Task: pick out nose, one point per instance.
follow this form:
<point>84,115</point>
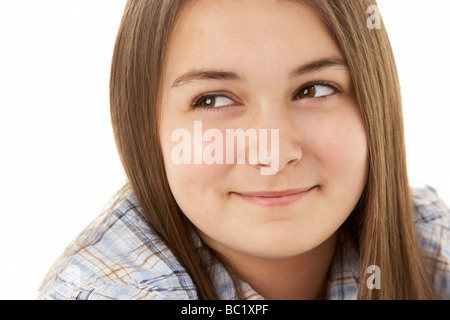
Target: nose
<point>279,143</point>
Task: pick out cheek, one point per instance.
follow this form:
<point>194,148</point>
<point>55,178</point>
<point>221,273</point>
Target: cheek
<point>193,178</point>
<point>195,188</point>
<point>203,152</point>
<point>192,184</point>
<point>339,144</point>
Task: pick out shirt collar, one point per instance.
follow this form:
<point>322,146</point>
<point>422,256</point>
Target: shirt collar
<point>343,280</point>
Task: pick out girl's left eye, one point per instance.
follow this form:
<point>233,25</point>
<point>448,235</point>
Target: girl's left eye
<point>314,91</point>
<point>212,101</point>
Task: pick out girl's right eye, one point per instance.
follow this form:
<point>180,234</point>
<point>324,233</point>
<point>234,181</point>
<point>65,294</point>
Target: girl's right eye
<point>212,102</point>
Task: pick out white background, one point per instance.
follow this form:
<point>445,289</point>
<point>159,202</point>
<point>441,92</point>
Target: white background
<point>58,162</point>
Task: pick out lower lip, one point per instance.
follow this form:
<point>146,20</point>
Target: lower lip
<point>275,201</point>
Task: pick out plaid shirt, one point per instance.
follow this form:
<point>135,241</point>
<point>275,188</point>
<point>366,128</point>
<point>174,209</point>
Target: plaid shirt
<point>126,260</point>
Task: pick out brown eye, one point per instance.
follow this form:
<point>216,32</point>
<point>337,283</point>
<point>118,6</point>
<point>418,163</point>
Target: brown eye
<point>315,91</point>
<point>206,102</point>
<point>307,92</point>
<point>213,101</point>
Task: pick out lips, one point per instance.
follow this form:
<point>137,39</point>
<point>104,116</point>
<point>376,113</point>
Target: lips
<point>274,198</point>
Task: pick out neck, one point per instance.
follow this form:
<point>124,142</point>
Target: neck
<point>302,277</point>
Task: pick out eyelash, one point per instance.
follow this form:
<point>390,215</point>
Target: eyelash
<point>196,102</point>
<point>199,99</point>
<point>329,85</point>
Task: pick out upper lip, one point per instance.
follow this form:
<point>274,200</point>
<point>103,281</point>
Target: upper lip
<point>269,194</point>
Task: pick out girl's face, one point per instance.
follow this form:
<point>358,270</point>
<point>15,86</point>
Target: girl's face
<point>255,65</point>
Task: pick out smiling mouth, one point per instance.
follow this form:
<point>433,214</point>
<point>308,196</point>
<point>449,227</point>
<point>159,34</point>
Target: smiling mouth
<point>274,198</point>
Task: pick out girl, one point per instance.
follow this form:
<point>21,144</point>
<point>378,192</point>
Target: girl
<point>207,214</point>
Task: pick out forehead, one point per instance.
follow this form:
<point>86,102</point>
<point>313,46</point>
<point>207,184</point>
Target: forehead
<point>240,34</point>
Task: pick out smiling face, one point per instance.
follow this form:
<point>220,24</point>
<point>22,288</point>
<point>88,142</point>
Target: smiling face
<point>263,65</point>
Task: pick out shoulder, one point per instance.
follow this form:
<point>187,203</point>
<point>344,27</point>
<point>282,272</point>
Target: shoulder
<point>431,213</point>
<point>432,217</point>
<point>119,257</point>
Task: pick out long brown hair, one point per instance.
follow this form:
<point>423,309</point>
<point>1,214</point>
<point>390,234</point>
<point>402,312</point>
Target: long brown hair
<point>382,223</point>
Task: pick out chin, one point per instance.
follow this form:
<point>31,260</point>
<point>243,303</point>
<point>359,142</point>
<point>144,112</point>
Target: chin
<point>279,250</point>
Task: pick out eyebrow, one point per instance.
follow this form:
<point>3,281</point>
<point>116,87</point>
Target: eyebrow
<point>310,67</point>
<point>318,65</point>
<point>204,75</point>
